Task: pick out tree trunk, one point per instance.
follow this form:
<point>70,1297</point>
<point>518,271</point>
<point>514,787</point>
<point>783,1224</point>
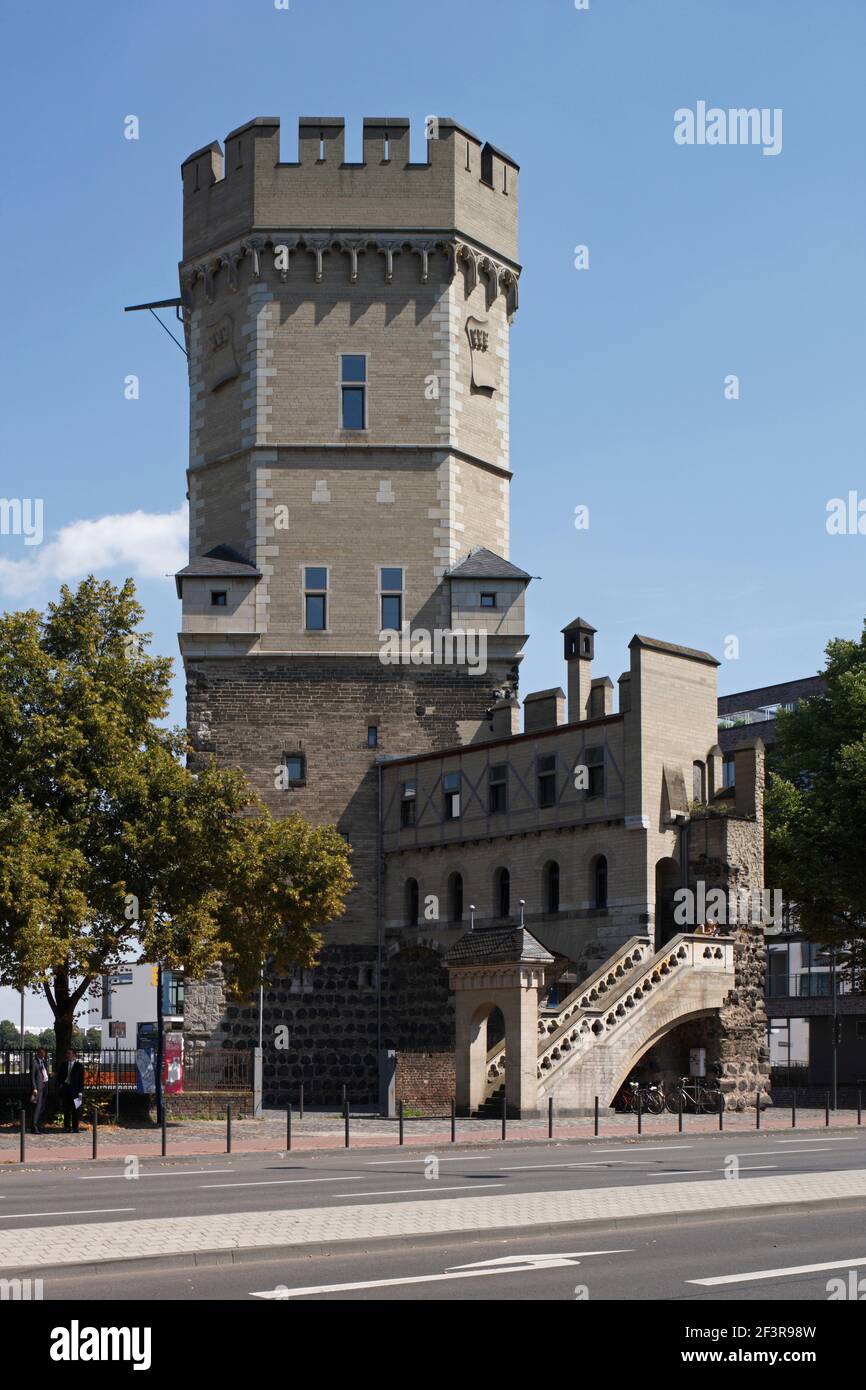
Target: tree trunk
<point>63,1008</point>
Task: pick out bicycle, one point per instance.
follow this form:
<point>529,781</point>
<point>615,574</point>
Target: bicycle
<point>694,1095</point>
<point>652,1098</point>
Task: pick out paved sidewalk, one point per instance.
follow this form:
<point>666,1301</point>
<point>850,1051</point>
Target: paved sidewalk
<point>53,1246</point>
<point>326,1131</point>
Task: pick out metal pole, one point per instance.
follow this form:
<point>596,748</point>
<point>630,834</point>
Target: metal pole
<point>400,1119</point>
<point>827,1109</point>
<point>596,1117</point>
<point>346,1122</point>
<point>453,1121</point>
<point>229,1128</point>
<point>301,1101</point>
<point>117,1080</point>
<point>550,1117</point>
<point>793,1109</point>
<point>757,1110</point>
<point>95,1123</point>
<point>835,1031</point>
<point>164,1133</point>
<point>721,1111</point>
<point>504,1113</point>
<point>261,1004</point>
<point>23,1133</point>
<point>160,1046</point>
<point>859,1107</point>
<point>289,1127</point>
<point>680,1118</point>
<point>639,1113</point>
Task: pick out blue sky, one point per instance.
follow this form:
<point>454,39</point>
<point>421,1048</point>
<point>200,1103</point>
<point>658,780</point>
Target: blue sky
<point>707,516</point>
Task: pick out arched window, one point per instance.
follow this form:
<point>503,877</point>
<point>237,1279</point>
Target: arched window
<point>599,881</point>
<point>412,902</point>
<point>551,887</point>
<point>455,898</point>
<point>502,892</point>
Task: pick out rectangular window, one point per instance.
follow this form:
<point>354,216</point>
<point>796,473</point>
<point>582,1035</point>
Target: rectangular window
<point>353,392</point>
<point>497,789</point>
<point>488,600</point>
<point>391,599</point>
<point>315,598</point>
<point>595,768</point>
<point>451,790</point>
<point>295,765</point>
<point>372,736</point>
<point>218,598</point>
<point>407,804</point>
<point>547,780</point>
<point>728,770</point>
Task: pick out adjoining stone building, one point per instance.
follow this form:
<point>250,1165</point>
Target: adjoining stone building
<point>348,334</point>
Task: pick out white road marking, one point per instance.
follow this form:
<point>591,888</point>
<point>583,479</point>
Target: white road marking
<point>279,1182</point>
<point>162,1173</point>
<point>826,1140</point>
<point>761,1153</point>
<point>431,1188</point>
<point>87,1211</point>
<point>589,1163</point>
<point>777,1273</point>
<point>524,1264</point>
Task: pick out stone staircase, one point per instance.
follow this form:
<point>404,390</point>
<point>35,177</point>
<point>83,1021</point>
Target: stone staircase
<point>588,1044</point>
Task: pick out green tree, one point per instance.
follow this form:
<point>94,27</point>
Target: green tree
<point>110,845</point>
<point>816,804</point>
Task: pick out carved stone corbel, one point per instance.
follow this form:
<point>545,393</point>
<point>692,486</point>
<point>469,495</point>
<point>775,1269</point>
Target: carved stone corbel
<point>423,249</point>
<point>231,260</point>
<point>255,245</point>
<point>318,245</point>
<point>205,271</point>
<point>353,245</point>
<point>388,245</point>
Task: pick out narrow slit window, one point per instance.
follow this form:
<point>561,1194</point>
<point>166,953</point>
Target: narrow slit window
<point>390,599</point>
<point>353,392</point>
<point>316,598</point>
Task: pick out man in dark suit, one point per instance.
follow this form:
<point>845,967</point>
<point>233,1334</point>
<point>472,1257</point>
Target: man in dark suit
<point>70,1079</point>
<point>38,1090</point>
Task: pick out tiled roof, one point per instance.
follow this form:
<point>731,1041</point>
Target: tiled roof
<point>497,945</point>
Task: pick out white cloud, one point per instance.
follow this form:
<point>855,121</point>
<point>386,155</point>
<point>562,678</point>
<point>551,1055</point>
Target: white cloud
<point>142,545</point>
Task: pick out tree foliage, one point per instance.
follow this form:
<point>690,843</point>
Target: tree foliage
<point>816,803</point>
<point>109,844</point>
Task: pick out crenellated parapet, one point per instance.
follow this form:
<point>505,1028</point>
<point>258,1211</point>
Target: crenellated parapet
<point>465,188</point>
<point>319,255</point>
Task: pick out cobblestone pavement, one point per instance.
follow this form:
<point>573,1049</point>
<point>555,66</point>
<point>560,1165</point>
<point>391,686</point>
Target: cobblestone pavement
<point>52,1246</point>
<point>325,1130</point>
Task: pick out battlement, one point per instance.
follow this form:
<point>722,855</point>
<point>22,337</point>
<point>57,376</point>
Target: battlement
<point>465,185</point>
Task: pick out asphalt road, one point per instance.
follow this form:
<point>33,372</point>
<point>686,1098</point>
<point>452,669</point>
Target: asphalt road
<point>258,1182</point>
<point>755,1257</point>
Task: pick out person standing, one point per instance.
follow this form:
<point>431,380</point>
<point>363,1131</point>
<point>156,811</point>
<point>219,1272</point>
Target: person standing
<point>71,1086</point>
<point>38,1090</point>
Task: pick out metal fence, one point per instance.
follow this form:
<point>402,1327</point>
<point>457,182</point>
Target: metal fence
<point>104,1070</point>
<point>218,1069</point>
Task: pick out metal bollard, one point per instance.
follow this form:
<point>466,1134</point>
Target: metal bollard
<point>346,1122</point>
<point>504,1113</point>
<point>793,1109</point>
<point>721,1110</point>
<point>680,1118</point>
<point>23,1143</point>
<point>550,1117</point>
<point>758,1110</point>
<point>400,1121</point>
<point>164,1131</point>
<point>859,1107</point>
<point>596,1117</point>
<point>827,1110</point>
<point>453,1121</point>
<point>639,1114</point>
<point>289,1127</point>
<point>301,1101</point>
<point>94,1119</point>
<point>228,1128</point>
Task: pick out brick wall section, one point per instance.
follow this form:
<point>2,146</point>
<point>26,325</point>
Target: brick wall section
<point>426,1081</point>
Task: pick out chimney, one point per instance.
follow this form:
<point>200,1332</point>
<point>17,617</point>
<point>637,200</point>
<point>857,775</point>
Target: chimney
<point>579,648</point>
<point>503,719</point>
<point>600,697</point>
<point>544,709</point>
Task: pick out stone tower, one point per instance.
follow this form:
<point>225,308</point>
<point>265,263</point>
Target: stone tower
<point>347,327</point>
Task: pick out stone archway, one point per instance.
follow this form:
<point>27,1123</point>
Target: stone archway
<point>498,969</point>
